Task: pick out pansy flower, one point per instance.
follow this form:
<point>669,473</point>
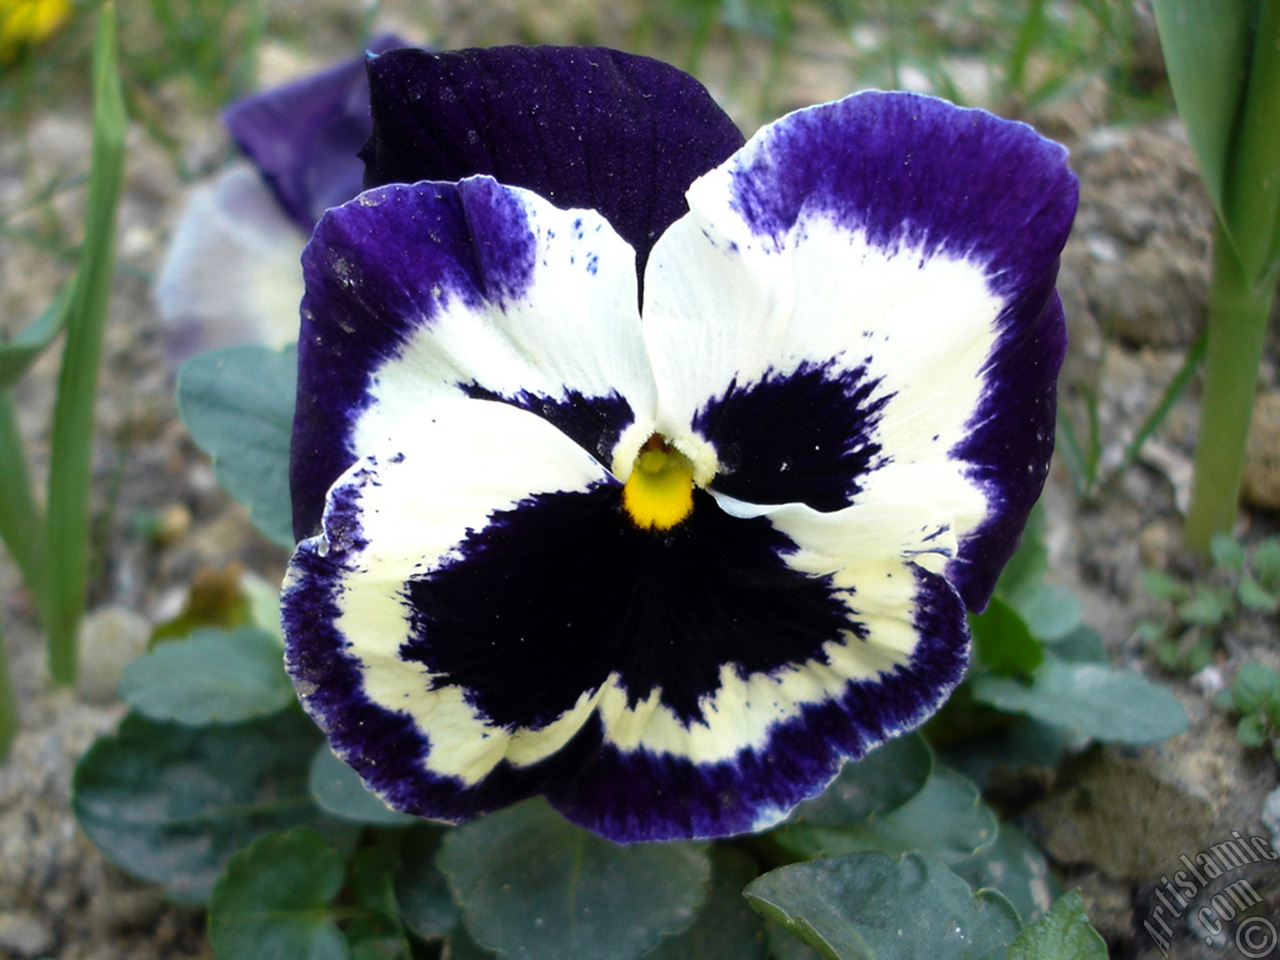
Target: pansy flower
<point>647,470</point>
<point>300,142</point>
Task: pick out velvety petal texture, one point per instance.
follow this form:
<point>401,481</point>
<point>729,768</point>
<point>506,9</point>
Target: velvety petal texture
<point>580,126</point>
<point>669,565</point>
<point>892,256</point>
<point>304,137</point>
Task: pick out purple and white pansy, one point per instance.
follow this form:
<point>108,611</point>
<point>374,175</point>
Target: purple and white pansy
<point>648,470</point>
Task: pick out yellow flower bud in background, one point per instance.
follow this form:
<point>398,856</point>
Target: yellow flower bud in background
<point>24,22</point>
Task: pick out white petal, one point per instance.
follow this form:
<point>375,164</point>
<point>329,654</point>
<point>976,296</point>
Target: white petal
<point>231,273</point>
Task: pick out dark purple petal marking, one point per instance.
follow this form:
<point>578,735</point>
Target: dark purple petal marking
<point>915,172</point>
<point>637,796</point>
<point>551,598</point>
<point>580,126</point>
<point>593,423</point>
<point>305,137</point>
<point>375,269</point>
<point>801,437</point>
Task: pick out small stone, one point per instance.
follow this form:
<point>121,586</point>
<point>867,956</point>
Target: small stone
<point>1271,816</point>
<point>110,637</point>
<point>1261,487</point>
<point>23,934</point>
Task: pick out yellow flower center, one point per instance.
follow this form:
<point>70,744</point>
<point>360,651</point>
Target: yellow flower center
<point>659,493</point>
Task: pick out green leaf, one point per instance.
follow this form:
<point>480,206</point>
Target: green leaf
<point>1002,642</point>
<point>727,928</point>
<point>379,936</point>
<point>1226,552</point>
<point>1206,44</point>
<point>460,946</point>
<point>1026,742</point>
<point>1254,686</point>
<point>1266,564</point>
<point>1064,933</point>
<point>426,905</point>
<point>869,906</point>
<point>339,792</point>
<point>783,946</point>
<point>1253,597</point>
<point>534,886</point>
<point>1163,586</point>
<point>1090,700</point>
<point>1023,574</point>
<point>883,780</point>
<point>238,406</point>
<point>214,676</point>
<point>17,354</point>
<point>947,820</point>
<point>1189,652</point>
<point>1051,612</point>
<point>1252,731</point>
<point>72,442</point>
<point>274,900</point>
<point>172,804</point>
<point>1015,867</point>
<point>376,938</point>
<point>1082,645</point>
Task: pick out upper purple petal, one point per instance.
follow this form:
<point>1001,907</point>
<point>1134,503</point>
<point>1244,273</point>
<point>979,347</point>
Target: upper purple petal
<point>916,172</point>
<point>580,126</point>
<point>305,137</point>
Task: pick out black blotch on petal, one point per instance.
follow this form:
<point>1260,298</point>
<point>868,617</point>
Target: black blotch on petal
<point>800,437</point>
<point>555,595</point>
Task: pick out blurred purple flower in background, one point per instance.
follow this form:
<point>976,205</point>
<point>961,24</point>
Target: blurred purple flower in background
<point>231,275</point>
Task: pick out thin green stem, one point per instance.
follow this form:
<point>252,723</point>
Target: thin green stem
<point>8,705</point>
<point>1238,312</point>
<point>72,444</point>
<point>1176,388</point>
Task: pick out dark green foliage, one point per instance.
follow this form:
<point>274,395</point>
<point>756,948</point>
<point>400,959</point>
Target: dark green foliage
<point>238,406</point>
<point>856,907</point>
<point>1255,697</point>
<point>172,804</point>
<point>532,886</point>
<point>211,677</point>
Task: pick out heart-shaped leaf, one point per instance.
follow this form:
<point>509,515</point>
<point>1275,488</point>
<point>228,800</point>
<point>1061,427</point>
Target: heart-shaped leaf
<point>535,887</point>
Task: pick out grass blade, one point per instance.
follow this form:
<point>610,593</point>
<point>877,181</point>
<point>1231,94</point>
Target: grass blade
<point>21,526</point>
<point>70,458</point>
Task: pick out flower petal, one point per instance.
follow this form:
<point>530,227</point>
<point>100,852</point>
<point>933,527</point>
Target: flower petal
<point>581,126</point>
<point>767,740</point>
<point>465,640</point>
<point>231,227</point>
<point>356,625</point>
<point>470,289</point>
<point>859,308</point>
<point>305,136</point>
